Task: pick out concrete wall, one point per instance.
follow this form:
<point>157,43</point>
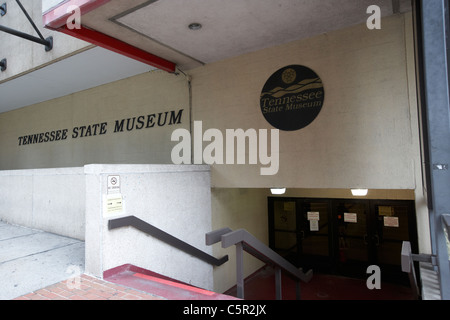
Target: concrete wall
<point>70,202</point>
<point>176,199</point>
<point>238,209</point>
<point>366,134</point>
<point>149,94</point>
<point>52,200</point>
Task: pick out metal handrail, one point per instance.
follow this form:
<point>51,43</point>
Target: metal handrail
<point>165,237</point>
<point>244,241</point>
<point>407,263</point>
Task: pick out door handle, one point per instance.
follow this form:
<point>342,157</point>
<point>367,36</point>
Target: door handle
<point>365,239</point>
<point>377,240</point>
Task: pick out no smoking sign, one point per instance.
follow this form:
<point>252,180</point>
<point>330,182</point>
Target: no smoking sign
<point>113,184</point>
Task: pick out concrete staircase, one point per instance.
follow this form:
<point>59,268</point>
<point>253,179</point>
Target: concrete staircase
<point>156,284</point>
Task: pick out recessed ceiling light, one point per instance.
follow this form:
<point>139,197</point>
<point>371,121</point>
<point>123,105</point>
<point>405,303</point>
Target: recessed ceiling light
<point>278,190</point>
<point>195,26</point>
<point>360,192</point>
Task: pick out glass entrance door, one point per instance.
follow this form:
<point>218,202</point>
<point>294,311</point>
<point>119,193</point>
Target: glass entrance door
<point>354,237</point>
<point>343,236</point>
<point>372,233</point>
<point>315,234</point>
<point>299,231</point>
<point>393,225</point>
<point>285,234</point>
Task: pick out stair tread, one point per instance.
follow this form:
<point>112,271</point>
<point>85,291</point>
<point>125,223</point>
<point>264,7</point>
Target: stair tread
<point>163,287</point>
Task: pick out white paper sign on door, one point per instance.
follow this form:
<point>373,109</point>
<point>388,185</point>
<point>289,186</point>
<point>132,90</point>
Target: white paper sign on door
<point>351,217</point>
<point>314,225</point>
<point>391,222</point>
<point>313,216</point>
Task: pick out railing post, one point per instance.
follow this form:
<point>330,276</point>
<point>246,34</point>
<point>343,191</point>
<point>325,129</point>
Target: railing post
<point>240,270</point>
<point>245,241</point>
<point>297,289</point>
<point>278,293</point>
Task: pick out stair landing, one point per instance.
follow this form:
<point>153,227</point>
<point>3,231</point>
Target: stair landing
<point>147,281</point>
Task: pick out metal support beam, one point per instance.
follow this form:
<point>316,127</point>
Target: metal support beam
<point>29,19</point>
<point>48,43</point>
<point>297,290</point>
<point>435,26</point>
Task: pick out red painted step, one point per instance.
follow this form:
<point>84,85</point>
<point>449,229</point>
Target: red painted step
<point>156,284</point>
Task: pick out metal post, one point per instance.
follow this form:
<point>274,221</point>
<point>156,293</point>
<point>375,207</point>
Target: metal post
<point>297,289</point>
<point>436,82</point>
<point>48,43</point>
<point>30,20</point>
<point>240,270</point>
<point>278,283</point>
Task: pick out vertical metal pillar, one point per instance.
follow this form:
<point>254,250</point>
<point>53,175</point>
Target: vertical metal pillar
<point>240,270</point>
<point>436,82</point>
<point>278,293</point>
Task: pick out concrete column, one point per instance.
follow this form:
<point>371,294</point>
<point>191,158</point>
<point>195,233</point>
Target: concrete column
<point>436,79</point>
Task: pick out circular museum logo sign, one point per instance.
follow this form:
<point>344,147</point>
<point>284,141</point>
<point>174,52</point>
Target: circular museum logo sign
<point>292,98</point>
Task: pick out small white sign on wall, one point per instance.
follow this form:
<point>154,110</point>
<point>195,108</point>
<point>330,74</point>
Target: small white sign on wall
<point>113,184</point>
<point>113,204</point>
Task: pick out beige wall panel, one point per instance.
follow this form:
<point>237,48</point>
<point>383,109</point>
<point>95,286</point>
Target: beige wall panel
<point>238,209</point>
<point>363,136</point>
<point>150,93</point>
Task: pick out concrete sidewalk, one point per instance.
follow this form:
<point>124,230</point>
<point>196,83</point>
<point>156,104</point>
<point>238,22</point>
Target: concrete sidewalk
<point>32,259</point>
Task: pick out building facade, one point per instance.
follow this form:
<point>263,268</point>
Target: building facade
<point>362,131</point>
